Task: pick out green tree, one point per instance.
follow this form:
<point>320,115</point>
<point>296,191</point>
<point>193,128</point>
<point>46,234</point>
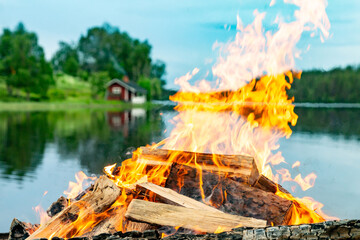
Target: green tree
<point>98,81</point>
<point>66,59</point>
<point>105,48</point>
<point>22,62</point>
<point>153,87</point>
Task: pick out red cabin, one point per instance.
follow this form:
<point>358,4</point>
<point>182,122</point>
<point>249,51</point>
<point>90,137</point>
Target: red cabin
<point>125,90</point>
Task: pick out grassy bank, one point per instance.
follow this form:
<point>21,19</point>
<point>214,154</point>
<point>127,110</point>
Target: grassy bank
<point>71,105</point>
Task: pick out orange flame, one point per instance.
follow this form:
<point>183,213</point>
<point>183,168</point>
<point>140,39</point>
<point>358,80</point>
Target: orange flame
<point>82,180</point>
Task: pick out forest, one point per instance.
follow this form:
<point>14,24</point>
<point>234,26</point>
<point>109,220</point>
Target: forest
<point>81,68</point>
<point>78,71</point>
<point>338,85</point>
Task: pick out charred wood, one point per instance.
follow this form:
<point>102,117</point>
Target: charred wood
<point>21,230</point>
<point>228,195</point>
<point>57,206</point>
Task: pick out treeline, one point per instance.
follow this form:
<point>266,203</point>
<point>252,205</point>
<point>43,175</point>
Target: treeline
<point>102,54</point>
<point>339,85</point>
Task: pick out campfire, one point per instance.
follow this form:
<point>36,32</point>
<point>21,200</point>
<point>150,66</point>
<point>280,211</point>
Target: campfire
<point>214,173</point>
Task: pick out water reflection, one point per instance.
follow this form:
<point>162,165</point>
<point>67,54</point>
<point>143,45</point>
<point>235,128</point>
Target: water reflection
<point>95,138</point>
<point>334,121</point>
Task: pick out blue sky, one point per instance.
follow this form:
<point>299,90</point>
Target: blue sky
<point>181,32</point>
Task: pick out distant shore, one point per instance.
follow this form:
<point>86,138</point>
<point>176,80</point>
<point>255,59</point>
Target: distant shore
<point>67,105</point>
<point>119,106</point>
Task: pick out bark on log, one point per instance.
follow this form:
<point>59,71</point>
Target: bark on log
<point>169,196</point>
<point>241,167</point>
<point>195,219</point>
<point>228,195</point>
<point>343,229</point>
<point>103,196</point>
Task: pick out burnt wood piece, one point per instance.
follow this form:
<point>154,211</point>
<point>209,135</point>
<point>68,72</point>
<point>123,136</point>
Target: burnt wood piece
<point>104,194</point>
<point>62,202</point>
<point>169,196</point>
<point>196,219</point>
<point>228,195</point>
<point>240,167</point>
<point>266,184</point>
<point>82,194</point>
<point>21,230</point>
<point>57,206</point>
<point>4,236</point>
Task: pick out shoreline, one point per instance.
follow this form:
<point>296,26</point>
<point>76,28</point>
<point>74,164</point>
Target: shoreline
<point>119,106</point>
<point>68,106</point>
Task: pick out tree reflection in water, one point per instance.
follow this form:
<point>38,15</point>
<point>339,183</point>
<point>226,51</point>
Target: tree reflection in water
<point>95,138</point>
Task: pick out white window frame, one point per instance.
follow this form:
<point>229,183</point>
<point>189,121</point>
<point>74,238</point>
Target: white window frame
<point>116,90</point>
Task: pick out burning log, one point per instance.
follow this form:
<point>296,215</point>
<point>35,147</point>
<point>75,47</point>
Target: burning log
<point>242,168</point>
<point>104,194</point>
<point>169,196</point>
<point>228,195</point>
<point>266,184</point>
<point>195,219</point>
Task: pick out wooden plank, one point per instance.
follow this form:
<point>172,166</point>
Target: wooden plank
<point>241,167</point>
<point>195,219</point>
<point>171,197</point>
<point>103,195</point>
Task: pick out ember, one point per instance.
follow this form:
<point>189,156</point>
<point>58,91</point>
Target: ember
<point>216,173</point>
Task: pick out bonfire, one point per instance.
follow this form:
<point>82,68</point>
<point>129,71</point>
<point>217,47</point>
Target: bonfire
<point>214,173</point>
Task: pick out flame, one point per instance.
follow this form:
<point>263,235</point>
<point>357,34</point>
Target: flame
<point>82,181</point>
<point>305,210</point>
<point>41,213</point>
<point>244,110</point>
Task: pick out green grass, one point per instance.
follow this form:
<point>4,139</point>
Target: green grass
<point>70,105</point>
<point>76,95</point>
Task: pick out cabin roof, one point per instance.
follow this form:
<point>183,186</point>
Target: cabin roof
<point>131,86</point>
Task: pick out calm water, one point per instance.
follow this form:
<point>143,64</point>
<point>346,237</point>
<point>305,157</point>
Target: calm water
<point>41,151</point>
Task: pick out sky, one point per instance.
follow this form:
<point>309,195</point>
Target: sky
<point>181,33</point>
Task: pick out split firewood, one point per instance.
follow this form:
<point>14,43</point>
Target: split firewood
<point>242,168</point>
<point>169,196</point>
<point>21,230</point>
<point>104,194</point>
<point>195,219</point>
<point>138,226</point>
<point>228,195</point>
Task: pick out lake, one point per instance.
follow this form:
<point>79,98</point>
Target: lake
<point>42,151</point>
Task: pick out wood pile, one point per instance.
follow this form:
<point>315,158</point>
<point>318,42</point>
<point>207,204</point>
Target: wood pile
<point>203,193</point>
